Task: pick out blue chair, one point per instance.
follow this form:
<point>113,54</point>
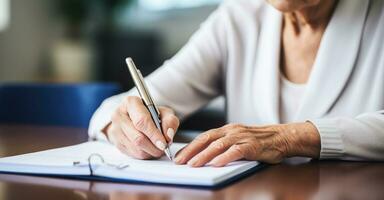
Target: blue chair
<point>52,104</point>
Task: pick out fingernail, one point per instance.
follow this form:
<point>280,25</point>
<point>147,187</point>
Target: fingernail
<point>160,145</point>
<point>192,162</point>
<point>178,159</point>
<point>171,134</point>
<point>212,162</point>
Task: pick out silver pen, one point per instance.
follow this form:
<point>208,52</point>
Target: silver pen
<point>147,99</point>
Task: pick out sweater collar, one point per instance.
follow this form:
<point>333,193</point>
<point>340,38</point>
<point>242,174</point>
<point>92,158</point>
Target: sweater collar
<point>335,59</point>
<point>332,68</point>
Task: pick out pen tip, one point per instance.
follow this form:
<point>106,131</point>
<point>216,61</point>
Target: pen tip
<point>168,153</point>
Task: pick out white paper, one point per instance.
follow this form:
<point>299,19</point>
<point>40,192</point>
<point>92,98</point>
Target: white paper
<point>60,161</point>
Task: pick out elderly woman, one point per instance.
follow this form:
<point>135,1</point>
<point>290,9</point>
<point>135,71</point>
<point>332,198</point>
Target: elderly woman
<point>300,78</point>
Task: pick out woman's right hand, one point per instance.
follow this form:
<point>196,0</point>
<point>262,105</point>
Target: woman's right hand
<point>134,133</point>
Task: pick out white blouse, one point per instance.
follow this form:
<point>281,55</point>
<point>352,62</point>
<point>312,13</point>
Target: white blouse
<point>291,96</point>
<point>236,53</point>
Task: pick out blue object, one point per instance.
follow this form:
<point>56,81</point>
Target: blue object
<point>52,104</point>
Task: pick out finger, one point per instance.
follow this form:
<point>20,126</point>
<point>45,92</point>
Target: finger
<point>214,149</point>
<point>197,145</point>
<point>170,123</point>
<point>143,122</point>
<point>234,153</point>
<point>137,153</point>
<point>124,145</point>
<point>130,150</point>
<point>123,132</point>
<point>137,139</point>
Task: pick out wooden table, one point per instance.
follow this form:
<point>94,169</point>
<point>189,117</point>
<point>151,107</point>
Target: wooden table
<point>313,180</point>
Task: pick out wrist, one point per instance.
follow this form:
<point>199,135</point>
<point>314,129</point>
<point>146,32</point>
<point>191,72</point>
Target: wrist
<point>303,139</point>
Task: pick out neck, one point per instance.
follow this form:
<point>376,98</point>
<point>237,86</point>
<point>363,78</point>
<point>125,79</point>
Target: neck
<point>312,17</point>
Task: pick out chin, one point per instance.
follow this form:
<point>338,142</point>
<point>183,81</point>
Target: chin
<point>292,5</point>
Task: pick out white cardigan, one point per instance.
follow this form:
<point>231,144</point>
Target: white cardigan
<point>236,53</point>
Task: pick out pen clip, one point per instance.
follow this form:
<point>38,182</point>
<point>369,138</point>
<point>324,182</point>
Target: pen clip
<point>147,92</point>
<point>139,82</point>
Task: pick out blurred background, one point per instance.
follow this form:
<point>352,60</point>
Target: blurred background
<point>86,41</point>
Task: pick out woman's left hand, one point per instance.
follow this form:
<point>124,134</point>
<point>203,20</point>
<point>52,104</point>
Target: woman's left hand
<point>270,144</point>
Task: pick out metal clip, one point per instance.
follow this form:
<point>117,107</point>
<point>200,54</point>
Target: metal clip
<point>100,157</point>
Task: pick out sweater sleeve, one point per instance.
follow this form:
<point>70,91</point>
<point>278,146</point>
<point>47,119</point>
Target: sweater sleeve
<point>186,82</point>
<point>359,138</point>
